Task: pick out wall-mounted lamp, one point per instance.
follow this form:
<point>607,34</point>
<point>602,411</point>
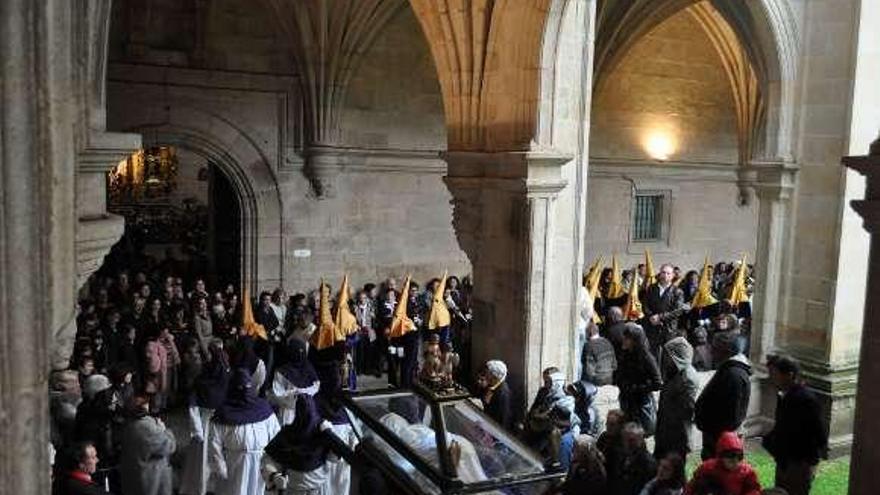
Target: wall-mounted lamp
<point>659,145</point>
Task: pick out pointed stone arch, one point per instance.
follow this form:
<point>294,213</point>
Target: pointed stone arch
<point>250,174</point>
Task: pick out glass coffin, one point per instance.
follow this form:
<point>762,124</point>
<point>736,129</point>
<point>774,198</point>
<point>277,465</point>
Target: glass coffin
<point>428,444</point>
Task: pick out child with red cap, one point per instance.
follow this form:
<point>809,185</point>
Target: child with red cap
<point>727,473</point>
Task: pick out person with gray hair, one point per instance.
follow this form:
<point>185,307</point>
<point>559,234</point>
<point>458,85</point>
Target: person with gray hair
<point>615,324</point>
<point>723,404</point>
<point>494,392</point>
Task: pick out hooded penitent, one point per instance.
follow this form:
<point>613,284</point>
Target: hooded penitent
<point>401,323</point>
<point>242,406</point>
<point>298,446</point>
<point>344,321</point>
<point>248,323</point>
<point>439,316</point>
<point>298,370</point>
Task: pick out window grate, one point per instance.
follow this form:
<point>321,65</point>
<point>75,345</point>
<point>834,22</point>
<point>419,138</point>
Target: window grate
<point>648,217</point>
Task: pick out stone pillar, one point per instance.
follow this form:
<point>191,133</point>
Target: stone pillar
<point>503,217</point>
<point>774,183</point>
<point>37,223</point>
<point>865,457</point>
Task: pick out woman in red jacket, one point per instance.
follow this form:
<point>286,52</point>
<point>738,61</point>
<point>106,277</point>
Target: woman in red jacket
<point>727,473</point>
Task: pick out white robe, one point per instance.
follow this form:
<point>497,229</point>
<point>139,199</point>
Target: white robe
<point>339,469</point>
<point>235,455</point>
<point>259,375</point>
<point>423,440</point>
<point>314,482</point>
<point>283,396</point>
<point>194,479</point>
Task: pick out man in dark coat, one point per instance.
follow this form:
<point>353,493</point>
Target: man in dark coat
<point>615,323</point>
<point>723,404</point>
<point>663,306</point>
<point>598,359</point>
<point>638,377</point>
<point>675,413</point>
<point>799,437</point>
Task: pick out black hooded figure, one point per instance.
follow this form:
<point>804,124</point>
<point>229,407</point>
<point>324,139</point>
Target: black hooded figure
<point>297,377</point>
<point>300,450</point>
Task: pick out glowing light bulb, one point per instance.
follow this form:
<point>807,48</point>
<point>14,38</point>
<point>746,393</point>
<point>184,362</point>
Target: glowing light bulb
<point>659,145</point>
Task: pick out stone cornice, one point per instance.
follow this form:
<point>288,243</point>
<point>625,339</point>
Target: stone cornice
<point>532,165</point>
<point>677,170</point>
<point>199,78</point>
<point>327,159</point>
<point>773,180</point>
<point>537,173</point>
<point>105,149</point>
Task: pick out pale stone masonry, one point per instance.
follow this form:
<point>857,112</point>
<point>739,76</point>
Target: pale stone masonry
<point>451,138</point>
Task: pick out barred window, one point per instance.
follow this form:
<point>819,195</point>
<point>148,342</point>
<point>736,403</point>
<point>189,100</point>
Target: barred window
<point>648,217</point>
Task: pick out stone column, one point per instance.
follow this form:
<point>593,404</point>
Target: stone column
<point>37,223</point>
<point>773,186</point>
<point>865,457</point>
<point>503,217</point>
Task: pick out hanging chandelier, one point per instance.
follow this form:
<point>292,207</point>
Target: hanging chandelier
<point>146,174</point>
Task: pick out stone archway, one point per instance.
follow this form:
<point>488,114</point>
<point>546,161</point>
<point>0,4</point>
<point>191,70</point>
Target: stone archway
<point>510,73</point>
<point>250,173</point>
<point>247,199</point>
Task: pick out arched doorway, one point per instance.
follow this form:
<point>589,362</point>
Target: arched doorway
<point>183,216</point>
<point>224,230</point>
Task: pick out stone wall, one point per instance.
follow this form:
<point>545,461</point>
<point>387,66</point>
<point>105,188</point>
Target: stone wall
<point>703,215</point>
<point>670,82</point>
<point>386,209</point>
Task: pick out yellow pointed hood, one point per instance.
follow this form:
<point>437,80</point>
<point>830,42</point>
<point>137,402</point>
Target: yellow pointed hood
<point>345,322</point>
<point>401,324</point>
<point>327,335</point>
<point>633,309</point>
<point>650,274</point>
<point>248,323</point>
<point>704,297</point>
<point>615,290</point>
<point>738,293</point>
<point>439,317</point>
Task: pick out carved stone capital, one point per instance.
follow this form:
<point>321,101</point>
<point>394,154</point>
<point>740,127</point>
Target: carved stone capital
<point>104,150</point>
<point>771,180</point>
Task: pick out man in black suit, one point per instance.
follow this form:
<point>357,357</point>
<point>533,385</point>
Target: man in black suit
<point>663,307</point>
<point>799,437</point>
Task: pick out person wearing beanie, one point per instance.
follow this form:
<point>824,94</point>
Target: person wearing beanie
<point>723,404</point>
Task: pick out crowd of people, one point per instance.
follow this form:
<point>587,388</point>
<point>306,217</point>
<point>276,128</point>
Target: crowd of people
<point>646,339</point>
<point>260,389</point>
<point>149,347</point>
